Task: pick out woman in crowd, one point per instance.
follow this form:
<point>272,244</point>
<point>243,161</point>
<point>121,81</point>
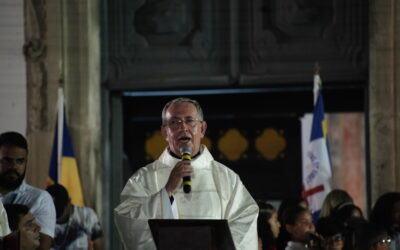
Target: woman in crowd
<point>268,226</point>
<point>347,211</point>
<point>332,230</point>
<point>369,236</point>
<point>332,200</point>
<point>386,212</point>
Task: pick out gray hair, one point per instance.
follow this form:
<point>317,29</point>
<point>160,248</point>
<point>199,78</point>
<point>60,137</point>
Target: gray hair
<point>181,100</point>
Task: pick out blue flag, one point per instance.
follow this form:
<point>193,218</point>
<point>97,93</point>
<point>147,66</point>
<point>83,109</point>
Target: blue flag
<point>316,159</point>
<point>63,167</point>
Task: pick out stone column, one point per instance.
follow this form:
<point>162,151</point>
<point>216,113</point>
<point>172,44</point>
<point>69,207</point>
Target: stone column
<point>81,44</point>
<point>42,53</point>
<point>384,93</point>
<point>63,49</point>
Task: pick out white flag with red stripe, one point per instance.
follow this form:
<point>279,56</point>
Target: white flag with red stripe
<point>315,153</point>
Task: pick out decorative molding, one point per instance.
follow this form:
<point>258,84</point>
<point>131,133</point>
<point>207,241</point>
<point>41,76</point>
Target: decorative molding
<point>285,38</point>
<point>255,42</point>
<point>150,41</point>
<point>35,53</point>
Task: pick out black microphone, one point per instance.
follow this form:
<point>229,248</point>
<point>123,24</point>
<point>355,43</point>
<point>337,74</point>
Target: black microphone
<point>186,155</point>
<point>313,237</point>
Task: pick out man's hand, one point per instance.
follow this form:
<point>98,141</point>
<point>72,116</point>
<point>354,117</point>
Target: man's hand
<point>29,232</point>
<point>180,170</point>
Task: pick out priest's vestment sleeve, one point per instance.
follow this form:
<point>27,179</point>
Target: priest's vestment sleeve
<point>138,205</point>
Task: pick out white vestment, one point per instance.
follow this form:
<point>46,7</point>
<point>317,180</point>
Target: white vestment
<point>217,193</point>
<point>4,229</point>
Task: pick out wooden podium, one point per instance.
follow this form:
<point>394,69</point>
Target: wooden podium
<point>191,234</point>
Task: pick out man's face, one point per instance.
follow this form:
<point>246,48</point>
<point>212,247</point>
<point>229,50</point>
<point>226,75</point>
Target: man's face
<point>12,166</point>
<point>183,128</point>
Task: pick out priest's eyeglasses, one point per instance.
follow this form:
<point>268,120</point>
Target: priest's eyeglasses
<point>175,123</point>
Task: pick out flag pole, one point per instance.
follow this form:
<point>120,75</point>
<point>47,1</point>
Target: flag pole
<point>316,68</point>
<point>317,81</point>
<point>60,118</point>
<point>60,122</point>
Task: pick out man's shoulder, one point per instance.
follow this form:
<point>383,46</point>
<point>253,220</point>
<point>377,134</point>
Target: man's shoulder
<point>34,191</point>
<point>35,198</point>
<point>82,212</point>
<point>31,196</point>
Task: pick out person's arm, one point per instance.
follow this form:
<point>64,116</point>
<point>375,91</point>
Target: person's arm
<point>45,242</point>
<point>94,229</point>
<point>29,232</point>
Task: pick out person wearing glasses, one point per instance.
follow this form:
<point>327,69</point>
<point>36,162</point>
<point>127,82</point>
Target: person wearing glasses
<point>332,231</point>
<point>370,236</point>
<point>386,212</point>
<point>14,189</point>
<point>155,191</point>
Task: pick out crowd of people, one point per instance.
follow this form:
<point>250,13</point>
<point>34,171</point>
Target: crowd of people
<point>32,218</point>
<point>341,224</point>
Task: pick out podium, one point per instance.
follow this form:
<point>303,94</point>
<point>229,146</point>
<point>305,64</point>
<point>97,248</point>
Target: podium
<point>191,234</point>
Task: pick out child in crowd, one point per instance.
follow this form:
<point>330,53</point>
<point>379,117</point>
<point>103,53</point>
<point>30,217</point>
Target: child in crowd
<point>298,230</point>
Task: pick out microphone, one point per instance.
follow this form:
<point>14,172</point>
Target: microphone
<point>313,237</point>
<point>186,155</point>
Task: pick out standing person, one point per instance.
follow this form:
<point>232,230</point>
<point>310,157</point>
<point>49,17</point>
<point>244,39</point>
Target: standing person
<point>369,236</point>
<point>333,232</point>
<point>77,227</point>
<point>268,226</point>
<point>347,212</point>
<point>155,191</point>
<point>335,198</point>
<point>290,201</point>
<point>14,190</point>
<point>297,227</point>
<point>386,212</point>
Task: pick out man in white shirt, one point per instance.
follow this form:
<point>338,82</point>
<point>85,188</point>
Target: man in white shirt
<point>155,191</point>
<point>13,189</point>
<point>77,227</point>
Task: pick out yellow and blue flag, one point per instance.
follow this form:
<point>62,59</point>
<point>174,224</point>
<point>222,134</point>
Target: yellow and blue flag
<point>63,165</point>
